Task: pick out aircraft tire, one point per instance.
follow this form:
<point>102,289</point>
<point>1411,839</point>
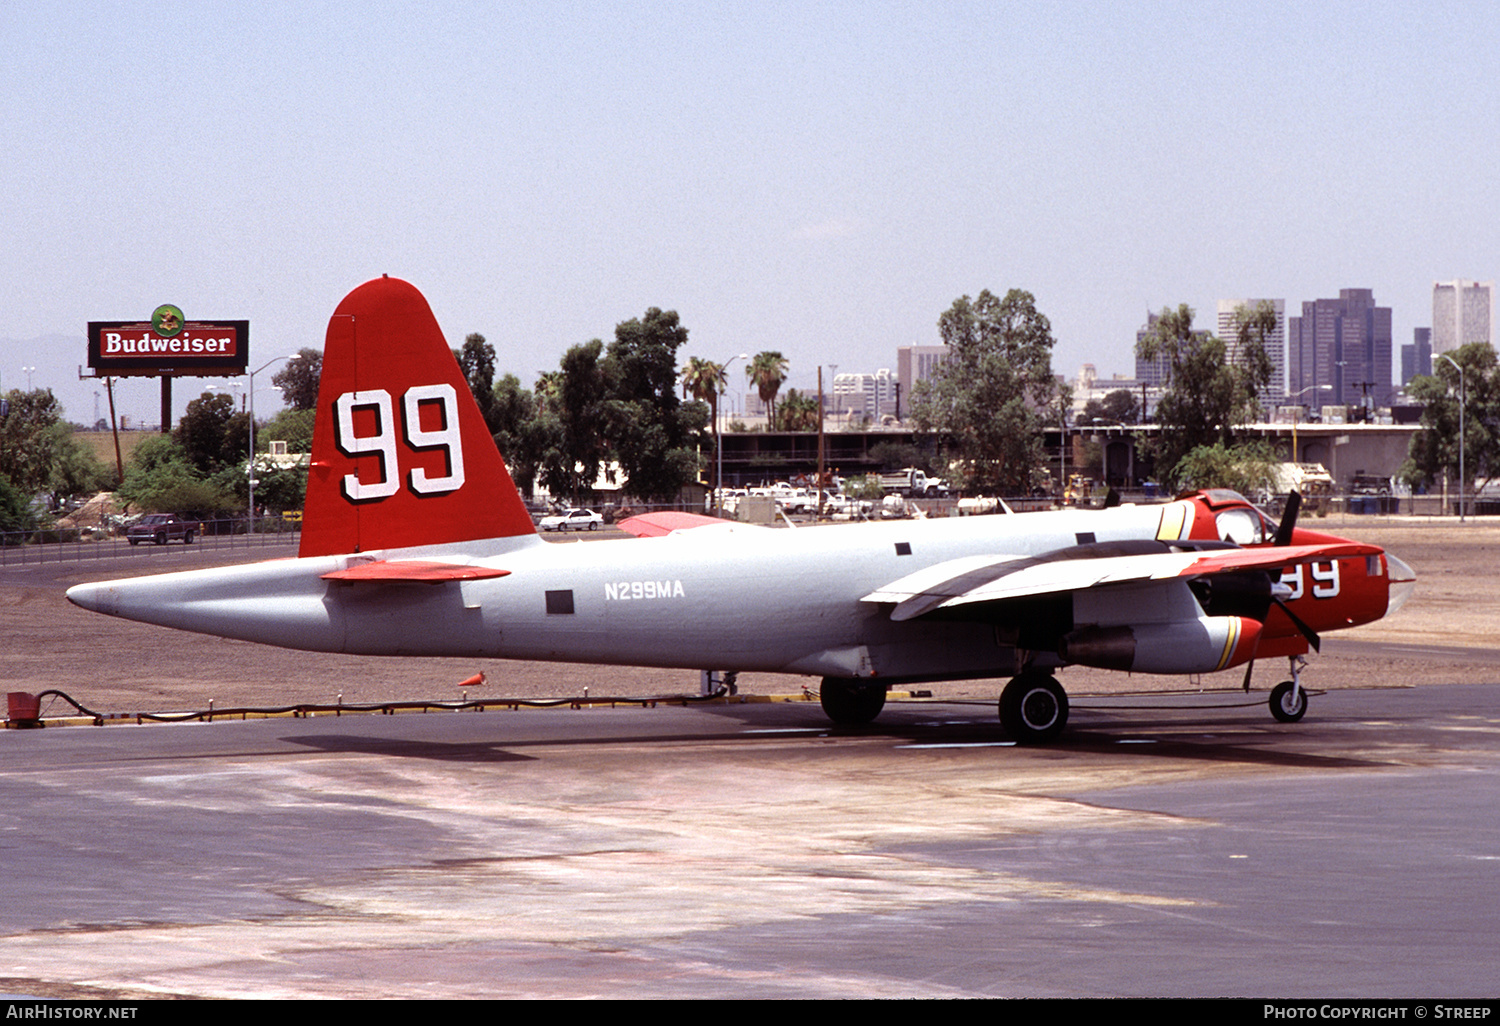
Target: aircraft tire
<point>1033,708</point>
<point>1281,703</point>
<point>851,703</point>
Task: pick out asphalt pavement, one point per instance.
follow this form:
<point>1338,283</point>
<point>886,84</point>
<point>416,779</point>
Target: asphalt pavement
<point>1162,848</point>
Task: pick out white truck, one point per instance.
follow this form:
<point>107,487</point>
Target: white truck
<point>1311,479</point>
<point>912,483</point>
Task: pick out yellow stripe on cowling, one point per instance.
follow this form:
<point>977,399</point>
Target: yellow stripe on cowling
<point>1174,522</point>
<point>1229,642</point>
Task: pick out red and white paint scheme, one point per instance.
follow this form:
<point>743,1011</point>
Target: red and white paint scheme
<point>415,542</point>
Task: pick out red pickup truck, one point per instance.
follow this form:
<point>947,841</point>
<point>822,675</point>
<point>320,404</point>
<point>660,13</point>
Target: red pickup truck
<point>162,528</point>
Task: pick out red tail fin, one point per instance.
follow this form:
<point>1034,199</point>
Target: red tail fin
<point>401,455</point>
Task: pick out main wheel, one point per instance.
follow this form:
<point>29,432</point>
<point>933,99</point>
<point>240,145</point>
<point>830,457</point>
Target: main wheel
<point>1283,707</point>
<point>1033,708</point>
<point>850,703</point>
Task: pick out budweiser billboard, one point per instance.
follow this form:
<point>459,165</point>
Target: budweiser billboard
<point>168,344</point>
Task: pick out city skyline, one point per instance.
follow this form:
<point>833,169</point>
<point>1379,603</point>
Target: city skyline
<point>824,180</point>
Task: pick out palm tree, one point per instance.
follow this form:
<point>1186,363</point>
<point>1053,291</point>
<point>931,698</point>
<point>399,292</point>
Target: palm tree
<point>766,372</point>
<point>704,380</point>
<point>798,412</point>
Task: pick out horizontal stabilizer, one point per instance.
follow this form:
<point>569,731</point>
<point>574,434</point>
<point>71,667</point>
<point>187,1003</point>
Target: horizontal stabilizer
<point>424,571</point>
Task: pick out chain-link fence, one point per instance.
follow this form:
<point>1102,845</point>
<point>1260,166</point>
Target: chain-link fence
<point>60,545</point>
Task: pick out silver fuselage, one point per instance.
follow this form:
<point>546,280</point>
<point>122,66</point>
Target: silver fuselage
<point>732,598</point>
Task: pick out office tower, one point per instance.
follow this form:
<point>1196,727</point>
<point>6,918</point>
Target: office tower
<point>1416,357</point>
<point>1275,342</point>
<point>1462,312</point>
<point>1339,352</point>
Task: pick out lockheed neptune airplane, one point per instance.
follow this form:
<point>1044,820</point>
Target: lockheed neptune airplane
<point>416,542</point>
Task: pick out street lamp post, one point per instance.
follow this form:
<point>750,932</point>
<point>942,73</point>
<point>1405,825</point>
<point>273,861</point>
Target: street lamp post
<point>294,356</point>
<point>1463,422</point>
<point>719,441</point>
<point>1298,417</point>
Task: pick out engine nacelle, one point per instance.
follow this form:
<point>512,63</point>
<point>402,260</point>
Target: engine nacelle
<point>1186,646</point>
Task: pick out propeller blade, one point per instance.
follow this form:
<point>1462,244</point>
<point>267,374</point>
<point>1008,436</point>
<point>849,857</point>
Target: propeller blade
<point>1289,519</point>
<point>1307,632</point>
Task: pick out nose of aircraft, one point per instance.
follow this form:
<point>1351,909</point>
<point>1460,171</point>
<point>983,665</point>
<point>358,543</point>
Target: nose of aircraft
<point>96,597</point>
<point>1402,581</point>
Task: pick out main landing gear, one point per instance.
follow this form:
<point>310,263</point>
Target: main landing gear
<point>851,703</point>
<point>1033,707</point>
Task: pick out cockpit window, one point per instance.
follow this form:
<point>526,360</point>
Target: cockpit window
<point>1241,526</point>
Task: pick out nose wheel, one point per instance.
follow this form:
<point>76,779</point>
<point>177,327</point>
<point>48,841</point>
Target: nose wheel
<point>1288,699</point>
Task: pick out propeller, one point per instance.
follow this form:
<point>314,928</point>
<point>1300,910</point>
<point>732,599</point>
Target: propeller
<point>1306,631</point>
<point>1284,532</point>
<point>1289,519</point>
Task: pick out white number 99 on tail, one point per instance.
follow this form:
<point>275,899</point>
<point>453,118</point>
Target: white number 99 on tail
<point>441,399</point>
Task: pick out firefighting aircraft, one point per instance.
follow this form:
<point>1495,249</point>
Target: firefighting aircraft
<point>415,542</point>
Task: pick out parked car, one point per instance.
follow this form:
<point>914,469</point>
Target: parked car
<point>572,520</point>
<point>161,528</point>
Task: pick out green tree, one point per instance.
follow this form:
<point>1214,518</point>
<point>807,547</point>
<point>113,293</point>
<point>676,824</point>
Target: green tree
<point>298,380</point>
<point>797,412</point>
<point>477,361</point>
<point>705,380</point>
<point>212,435</point>
<point>574,427</point>
<point>160,478</point>
<point>1207,394</point>
<point>517,431</point>
<point>75,469</point>
<point>1434,452</point>
<point>17,517</point>
<point>650,429</point>
<point>995,393</point>
<point>28,443</point>
<point>767,372</point>
<point>1247,468</point>
<point>1117,407</point>
<point>292,426</point>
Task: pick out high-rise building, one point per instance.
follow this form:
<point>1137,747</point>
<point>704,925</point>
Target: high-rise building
<point>1339,352</point>
<point>1275,342</point>
<point>1416,357</point>
<point>1462,312</point>
<point>1155,372</point>
<point>914,364</point>
<point>867,395</point>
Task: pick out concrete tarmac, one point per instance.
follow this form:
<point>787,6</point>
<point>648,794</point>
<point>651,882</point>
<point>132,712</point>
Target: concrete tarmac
<point>1164,847</point>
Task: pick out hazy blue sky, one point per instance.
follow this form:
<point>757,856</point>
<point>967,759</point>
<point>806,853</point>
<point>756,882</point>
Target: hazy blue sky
<point>823,179</point>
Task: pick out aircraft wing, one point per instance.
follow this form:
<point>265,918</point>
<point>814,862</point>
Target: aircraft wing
<point>654,525</point>
<point>978,579</point>
<point>418,570</point>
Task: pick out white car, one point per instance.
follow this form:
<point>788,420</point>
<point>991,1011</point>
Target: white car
<point>572,520</point>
